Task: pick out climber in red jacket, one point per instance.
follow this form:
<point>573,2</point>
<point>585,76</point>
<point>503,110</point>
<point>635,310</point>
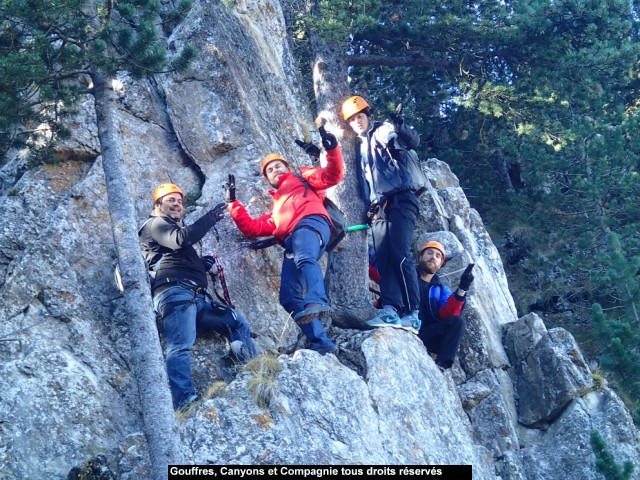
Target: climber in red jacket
<point>300,220</point>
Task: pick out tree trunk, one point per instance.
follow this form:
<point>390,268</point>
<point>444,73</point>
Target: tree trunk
<point>347,275</point>
<point>503,171</point>
<point>157,410</point>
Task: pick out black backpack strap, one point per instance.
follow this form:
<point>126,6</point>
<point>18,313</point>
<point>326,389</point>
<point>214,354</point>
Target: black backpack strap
<point>307,185</point>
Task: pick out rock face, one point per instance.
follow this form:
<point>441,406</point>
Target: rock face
<point>323,413</point>
<point>548,370</point>
<point>519,404</point>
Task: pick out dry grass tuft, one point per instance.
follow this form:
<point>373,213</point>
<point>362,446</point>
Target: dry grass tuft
<point>216,390</point>
<point>261,386</point>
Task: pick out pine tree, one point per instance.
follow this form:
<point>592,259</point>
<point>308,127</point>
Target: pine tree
<point>617,332</point>
<point>605,463</point>
<point>563,116</point>
<point>534,106</point>
<point>54,51</point>
<point>347,277</point>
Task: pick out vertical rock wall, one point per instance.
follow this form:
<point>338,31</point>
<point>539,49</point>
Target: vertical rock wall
<point>518,404</point>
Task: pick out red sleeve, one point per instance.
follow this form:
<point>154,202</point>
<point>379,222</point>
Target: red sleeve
<point>452,308</point>
<point>326,177</point>
<point>251,227</point>
<point>374,275</point>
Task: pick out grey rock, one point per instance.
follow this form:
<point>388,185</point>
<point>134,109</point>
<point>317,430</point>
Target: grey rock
<point>509,467</point>
<point>548,376</point>
<point>69,399</point>
<point>322,413</point>
<point>522,336</point>
<point>489,412</point>
<point>563,451</point>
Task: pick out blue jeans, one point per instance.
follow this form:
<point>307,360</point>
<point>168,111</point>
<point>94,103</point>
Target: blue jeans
<point>302,281</point>
<point>185,313</point>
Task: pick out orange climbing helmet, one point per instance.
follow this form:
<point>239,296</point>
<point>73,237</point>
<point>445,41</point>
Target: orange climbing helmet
<point>165,189</point>
<point>272,157</point>
<point>354,105</point>
<point>437,246</point>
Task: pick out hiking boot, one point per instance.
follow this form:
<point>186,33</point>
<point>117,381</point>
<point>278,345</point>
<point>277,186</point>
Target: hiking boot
<point>387,317</point>
<point>411,322</point>
<point>187,402</point>
<point>441,368</point>
<point>329,349</point>
<point>443,365</point>
<point>313,310</point>
<point>239,351</point>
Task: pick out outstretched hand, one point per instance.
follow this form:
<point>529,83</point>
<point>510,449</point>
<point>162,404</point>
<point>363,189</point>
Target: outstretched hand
<point>218,211</point>
<point>310,149</point>
<point>230,189</point>
<point>396,117</point>
<point>329,140</point>
<point>209,262</point>
<point>466,278</point>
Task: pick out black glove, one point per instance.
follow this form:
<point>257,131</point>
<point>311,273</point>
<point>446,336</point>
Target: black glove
<point>218,211</point>
<point>396,117</point>
<point>329,140</point>
<point>310,149</point>
<point>265,243</point>
<point>209,262</point>
<point>230,189</point>
<point>466,278</point>
<point>372,211</point>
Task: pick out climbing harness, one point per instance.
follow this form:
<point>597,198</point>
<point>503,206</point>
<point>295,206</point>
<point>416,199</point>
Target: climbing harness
<point>223,283</point>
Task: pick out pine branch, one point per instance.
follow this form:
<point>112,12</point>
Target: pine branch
<point>65,75</point>
<point>383,60</point>
<point>633,305</point>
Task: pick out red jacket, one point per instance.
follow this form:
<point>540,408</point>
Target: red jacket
<point>290,202</point>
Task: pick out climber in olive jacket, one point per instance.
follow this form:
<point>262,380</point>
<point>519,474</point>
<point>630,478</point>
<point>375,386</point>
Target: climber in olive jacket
<point>179,286</point>
<point>169,254</point>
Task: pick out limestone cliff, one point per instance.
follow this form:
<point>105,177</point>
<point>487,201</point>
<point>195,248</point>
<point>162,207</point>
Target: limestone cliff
<point>519,404</point>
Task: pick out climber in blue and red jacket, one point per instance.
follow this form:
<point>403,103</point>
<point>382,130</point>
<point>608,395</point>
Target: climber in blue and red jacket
<point>442,325</point>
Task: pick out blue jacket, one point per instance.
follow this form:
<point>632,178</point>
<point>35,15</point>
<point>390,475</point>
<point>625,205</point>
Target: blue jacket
<point>382,165</point>
<point>438,302</point>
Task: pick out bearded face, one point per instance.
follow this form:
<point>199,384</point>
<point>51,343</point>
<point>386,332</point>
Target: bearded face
<point>430,261</point>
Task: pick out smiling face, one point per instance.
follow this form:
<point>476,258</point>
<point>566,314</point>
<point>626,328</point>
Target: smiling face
<point>430,261</point>
<point>359,122</point>
<point>274,170</point>
<point>171,206</point>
